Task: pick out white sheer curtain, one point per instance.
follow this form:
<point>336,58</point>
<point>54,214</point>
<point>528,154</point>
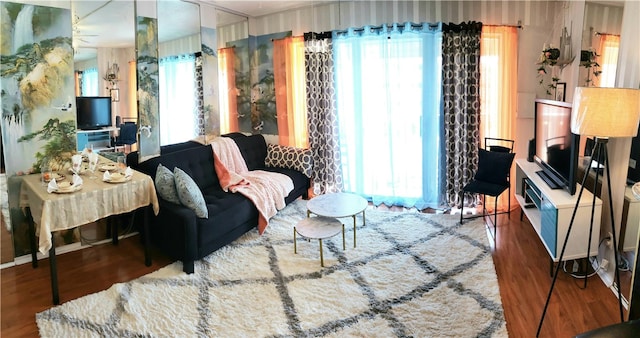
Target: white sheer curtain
<point>178,115</point>
<point>388,95</point>
<point>89,83</point>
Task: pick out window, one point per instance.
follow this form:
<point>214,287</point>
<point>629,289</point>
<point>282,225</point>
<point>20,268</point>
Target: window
<point>177,92</point>
<point>89,82</point>
<point>388,103</point>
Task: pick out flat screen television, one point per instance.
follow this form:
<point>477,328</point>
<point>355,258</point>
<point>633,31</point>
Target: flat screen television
<point>93,112</point>
<point>556,148</point>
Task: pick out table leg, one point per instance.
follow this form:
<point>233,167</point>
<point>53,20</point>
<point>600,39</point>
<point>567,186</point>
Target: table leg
<point>32,239</point>
<point>54,272</point>
<point>321,256</point>
<point>344,246</point>
<point>364,222</point>
<point>147,240</point>
<point>114,228</point>
<point>295,247</point>
<point>354,230</point>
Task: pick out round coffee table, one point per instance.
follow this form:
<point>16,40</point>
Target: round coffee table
<point>318,228</point>
<point>339,205</point>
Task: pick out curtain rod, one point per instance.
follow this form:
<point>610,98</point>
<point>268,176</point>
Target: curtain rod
<point>601,33</point>
<point>415,25</point>
<point>517,25</point>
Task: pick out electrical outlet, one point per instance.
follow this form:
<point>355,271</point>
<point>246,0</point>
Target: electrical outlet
<point>609,241</point>
<point>605,264</point>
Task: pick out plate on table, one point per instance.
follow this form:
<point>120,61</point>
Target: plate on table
<point>67,188</point>
<point>118,178</point>
<point>108,166</point>
<point>55,176</point>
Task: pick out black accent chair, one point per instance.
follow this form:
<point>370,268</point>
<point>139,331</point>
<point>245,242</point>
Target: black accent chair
<point>506,146</point>
<point>491,178</point>
<point>128,135</point>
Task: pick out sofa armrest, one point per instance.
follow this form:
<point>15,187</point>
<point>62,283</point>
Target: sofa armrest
<point>177,223</point>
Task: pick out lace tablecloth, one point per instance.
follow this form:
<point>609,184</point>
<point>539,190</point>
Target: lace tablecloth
<point>96,200</point>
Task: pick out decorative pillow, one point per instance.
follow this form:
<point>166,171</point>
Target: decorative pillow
<point>289,158</point>
<point>165,184</point>
<point>189,193</point>
<point>493,166</point>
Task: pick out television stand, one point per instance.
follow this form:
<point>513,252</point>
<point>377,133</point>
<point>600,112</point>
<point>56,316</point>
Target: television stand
<point>99,138</point>
<point>549,211</point>
<point>548,180</point>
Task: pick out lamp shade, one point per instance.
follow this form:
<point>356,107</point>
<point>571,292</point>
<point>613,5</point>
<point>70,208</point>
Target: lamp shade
<point>605,112</point>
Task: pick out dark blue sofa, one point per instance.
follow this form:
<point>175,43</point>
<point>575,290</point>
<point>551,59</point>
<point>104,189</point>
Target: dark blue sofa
<point>176,230</point>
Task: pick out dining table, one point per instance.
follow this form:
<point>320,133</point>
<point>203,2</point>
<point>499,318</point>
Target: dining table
<point>70,206</point>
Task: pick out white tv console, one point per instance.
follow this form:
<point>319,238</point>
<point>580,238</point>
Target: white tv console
<point>550,210</point>
<point>100,138</point>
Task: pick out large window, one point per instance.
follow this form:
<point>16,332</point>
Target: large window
<point>177,91</point>
<point>388,98</point>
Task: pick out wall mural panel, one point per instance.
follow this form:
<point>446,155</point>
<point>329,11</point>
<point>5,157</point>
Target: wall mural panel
<point>38,111</point>
<point>209,39</point>
<point>254,78</point>
<point>148,100</point>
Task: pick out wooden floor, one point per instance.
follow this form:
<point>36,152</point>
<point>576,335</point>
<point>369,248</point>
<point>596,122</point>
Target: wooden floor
<point>521,262</point>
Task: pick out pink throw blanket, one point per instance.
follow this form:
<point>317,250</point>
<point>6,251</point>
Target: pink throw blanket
<point>265,189</point>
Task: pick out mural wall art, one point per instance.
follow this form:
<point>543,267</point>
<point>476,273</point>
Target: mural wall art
<point>254,79</point>
<point>148,87</point>
<point>38,101</point>
<point>210,81</point>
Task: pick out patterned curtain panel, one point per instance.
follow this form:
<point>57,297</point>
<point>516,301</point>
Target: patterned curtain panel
<point>321,110</point>
<point>461,101</point>
<point>200,121</point>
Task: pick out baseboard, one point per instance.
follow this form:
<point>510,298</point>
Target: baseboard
<point>25,259</point>
<point>608,281</point>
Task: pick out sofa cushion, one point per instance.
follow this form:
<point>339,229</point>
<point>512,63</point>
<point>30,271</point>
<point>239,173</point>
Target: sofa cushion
<point>166,185</point>
<point>289,158</point>
<point>189,193</point>
<point>253,149</point>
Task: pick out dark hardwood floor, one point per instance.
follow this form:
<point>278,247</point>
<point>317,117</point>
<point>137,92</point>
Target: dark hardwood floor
<point>521,261</point>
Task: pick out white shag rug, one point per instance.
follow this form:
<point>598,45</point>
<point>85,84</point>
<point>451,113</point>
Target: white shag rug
<point>412,274</point>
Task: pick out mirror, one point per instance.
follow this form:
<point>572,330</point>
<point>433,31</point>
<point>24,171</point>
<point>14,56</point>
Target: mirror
<point>234,75</point>
<point>598,60</point>
<point>179,71</point>
<point>178,28</point>
<point>600,42</point>
<point>103,38</point>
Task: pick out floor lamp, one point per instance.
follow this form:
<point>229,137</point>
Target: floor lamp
<point>603,113</point>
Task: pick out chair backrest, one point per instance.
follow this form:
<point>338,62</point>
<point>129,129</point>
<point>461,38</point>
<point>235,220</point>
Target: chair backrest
<point>498,144</point>
<point>128,133</point>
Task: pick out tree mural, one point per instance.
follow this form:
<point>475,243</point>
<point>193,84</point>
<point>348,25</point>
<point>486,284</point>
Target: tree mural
<point>36,87</point>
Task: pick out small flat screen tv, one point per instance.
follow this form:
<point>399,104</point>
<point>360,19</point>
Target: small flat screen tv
<point>93,112</point>
<point>557,149</point>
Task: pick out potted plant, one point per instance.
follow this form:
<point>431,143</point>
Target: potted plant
<point>548,58</point>
<point>588,60</point>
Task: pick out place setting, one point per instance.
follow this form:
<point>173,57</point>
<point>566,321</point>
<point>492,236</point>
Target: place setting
<point>56,184</point>
<point>122,173</point>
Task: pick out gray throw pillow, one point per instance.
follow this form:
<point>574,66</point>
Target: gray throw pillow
<point>189,193</point>
<point>165,185</point>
